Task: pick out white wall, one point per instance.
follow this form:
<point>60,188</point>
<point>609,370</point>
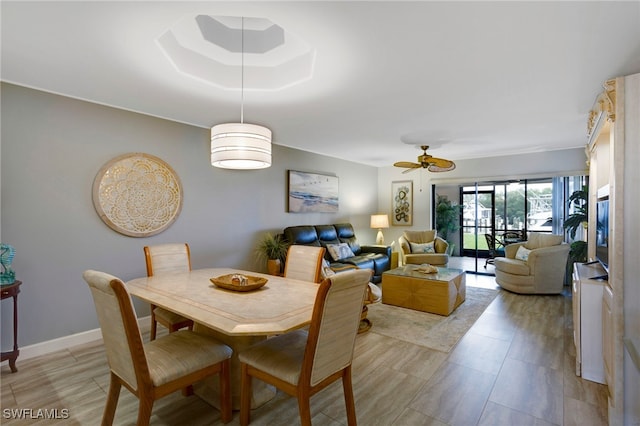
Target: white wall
<point>52,148</point>
<point>569,162</point>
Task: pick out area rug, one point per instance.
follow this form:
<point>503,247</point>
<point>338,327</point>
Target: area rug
<point>430,330</point>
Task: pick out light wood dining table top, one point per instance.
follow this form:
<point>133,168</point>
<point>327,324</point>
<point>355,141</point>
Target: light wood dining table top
<point>280,306</point>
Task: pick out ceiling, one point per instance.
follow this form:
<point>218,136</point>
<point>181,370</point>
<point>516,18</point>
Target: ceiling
<point>369,81</point>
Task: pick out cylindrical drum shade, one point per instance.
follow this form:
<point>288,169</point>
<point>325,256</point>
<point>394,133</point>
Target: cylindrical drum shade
<point>240,146</point>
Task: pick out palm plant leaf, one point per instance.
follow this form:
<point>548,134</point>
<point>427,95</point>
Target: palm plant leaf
<point>580,200</point>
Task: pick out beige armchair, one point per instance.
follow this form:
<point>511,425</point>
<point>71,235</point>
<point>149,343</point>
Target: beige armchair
<point>539,270</point>
<point>415,244</point>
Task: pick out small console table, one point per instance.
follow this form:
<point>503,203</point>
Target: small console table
<point>12,290</point>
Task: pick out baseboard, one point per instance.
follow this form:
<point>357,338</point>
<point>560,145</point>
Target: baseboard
<point>61,343</point>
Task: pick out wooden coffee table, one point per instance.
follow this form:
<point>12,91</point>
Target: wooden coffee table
<point>438,293</point>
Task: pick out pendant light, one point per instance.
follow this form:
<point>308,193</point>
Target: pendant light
<point>241,146</point>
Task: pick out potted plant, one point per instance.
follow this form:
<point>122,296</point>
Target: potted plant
<point>578,219</point>
<point>273,249</point>
<point>447,218</point>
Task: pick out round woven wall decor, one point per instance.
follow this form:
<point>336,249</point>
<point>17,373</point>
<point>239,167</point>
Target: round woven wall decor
<point>137,194</point>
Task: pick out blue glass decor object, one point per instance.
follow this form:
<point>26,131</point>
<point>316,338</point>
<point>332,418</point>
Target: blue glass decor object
<point>7,275</point>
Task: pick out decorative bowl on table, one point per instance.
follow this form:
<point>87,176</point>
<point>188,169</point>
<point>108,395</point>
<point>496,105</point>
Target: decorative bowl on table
<point>237,282</point>
<point>426,268</point>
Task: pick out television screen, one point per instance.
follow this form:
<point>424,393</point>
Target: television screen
<point>602,233</point>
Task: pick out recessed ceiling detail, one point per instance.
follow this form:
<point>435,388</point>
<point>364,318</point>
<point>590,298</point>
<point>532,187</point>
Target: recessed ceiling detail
<point>211,49</point>
<point>255,41</point>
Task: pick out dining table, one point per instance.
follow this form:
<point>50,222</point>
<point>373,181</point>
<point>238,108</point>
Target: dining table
<point>239,319</point>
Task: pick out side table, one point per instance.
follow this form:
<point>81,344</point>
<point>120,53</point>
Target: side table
<point>12,290</point>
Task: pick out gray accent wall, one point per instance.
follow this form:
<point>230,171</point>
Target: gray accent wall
<point>52,149</point>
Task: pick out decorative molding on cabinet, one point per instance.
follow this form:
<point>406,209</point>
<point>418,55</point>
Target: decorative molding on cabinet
<point>603,110</point>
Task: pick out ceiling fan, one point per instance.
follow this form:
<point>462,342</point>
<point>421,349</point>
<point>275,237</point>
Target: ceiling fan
<point>428,162</point>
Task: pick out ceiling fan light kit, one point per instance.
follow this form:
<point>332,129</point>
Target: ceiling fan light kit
<point>426,161</point>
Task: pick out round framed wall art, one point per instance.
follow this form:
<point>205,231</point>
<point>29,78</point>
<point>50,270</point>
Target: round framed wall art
<point>137,194</point>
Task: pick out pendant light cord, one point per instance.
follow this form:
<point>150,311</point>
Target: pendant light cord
<point>242,72</point>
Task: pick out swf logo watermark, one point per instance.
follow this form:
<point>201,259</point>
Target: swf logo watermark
<point>35,413</point>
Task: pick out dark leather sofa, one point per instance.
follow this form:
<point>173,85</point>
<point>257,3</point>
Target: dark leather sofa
<point>374,257</point>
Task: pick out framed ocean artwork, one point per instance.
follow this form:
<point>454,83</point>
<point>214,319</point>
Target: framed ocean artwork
<point>312,193</point>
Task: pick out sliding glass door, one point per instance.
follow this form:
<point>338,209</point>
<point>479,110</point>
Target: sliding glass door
<point>478,219</point>
<point>506,212</point>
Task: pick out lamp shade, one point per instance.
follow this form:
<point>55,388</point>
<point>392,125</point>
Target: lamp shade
<point>379,221</point>
<point>240,146</point>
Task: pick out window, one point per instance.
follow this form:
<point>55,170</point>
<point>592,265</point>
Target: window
<point>514,207</point>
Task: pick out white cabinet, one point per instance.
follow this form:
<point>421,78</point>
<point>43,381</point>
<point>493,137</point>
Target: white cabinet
<point>587,320</point>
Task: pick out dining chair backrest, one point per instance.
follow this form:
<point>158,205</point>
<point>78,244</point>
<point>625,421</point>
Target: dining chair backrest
<point>169,257</point>
<point>158,368</point>
<point>304,263</point>
<point>163,258</point>
<point>334,325</point>
<point>121,335</point>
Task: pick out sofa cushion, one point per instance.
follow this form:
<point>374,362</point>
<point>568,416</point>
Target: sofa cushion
<point>346,234</point>
<point>381,262</point>
<point>326,271</point>
<point>326,233</point>
<point>537,240</point>
<point>522,254</point>
<point>439,259</point>
<point>361,262</point>
<point>339,251</point>
<point>341,267</point>
<point>511,266</point>
<point>302,235</point>
<point>423,248</point>
<point>420,237</point>
<point>327,236</point>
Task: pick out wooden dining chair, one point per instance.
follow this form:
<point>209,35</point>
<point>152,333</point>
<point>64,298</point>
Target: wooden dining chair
<point>157,368</point>
<point>162,258</point>
<point>304,263</point>
<point>302,363</point>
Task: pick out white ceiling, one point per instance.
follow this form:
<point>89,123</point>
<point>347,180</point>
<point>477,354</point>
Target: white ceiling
<point>471,79</point>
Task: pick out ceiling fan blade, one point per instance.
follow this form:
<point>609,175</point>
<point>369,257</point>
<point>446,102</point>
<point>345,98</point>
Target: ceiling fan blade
<point>410,170</point>
<point>407,164</point>
<point>440,165</point>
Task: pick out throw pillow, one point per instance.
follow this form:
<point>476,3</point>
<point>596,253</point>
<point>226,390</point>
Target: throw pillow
<point>423,248</point>
<point>326,271</point>
<point>340,251</point>
<point>522,254</point>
